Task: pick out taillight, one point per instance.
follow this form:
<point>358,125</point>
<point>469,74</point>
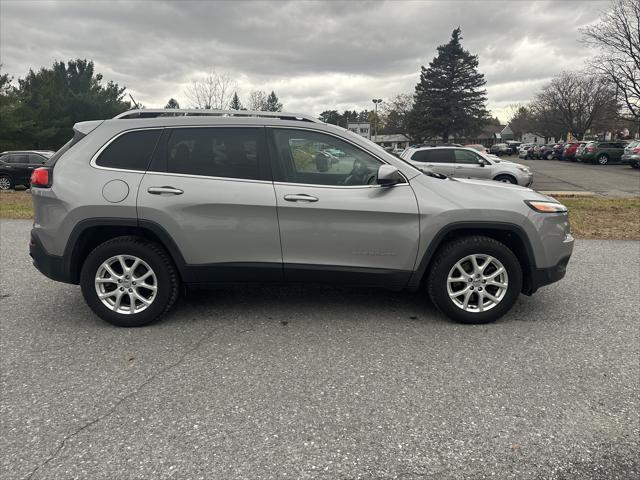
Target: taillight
<point>636,150</point>
<point>591,148</point>
<point>41,177</point>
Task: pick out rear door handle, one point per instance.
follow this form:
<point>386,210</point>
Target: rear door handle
<point>301,197</point>
<point>164,190</point>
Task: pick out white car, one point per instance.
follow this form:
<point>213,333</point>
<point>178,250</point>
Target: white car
<point>465,162</point>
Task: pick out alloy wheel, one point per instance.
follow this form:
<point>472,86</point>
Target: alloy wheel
<point>5,183</point>
<point>477,283</point>
<point>126,284</point>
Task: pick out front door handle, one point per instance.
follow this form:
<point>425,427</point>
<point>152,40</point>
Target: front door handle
<point>301,197</point>
<point>164,190</point>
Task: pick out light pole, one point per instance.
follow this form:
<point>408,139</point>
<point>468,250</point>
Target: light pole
<point>376,101</point>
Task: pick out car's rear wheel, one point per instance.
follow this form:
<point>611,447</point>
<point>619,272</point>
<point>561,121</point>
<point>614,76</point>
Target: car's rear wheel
<point>602,159</point>
<point>475,280</point>
<point>506,179</point>
<point>549,156</point>
<point>129,281</point>
<point>5,182</point>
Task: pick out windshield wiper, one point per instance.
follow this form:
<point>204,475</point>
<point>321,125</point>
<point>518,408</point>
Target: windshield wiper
<point>431,173</point>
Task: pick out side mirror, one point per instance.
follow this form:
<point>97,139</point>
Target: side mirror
<point>482,162</point>
<point>389,175</point>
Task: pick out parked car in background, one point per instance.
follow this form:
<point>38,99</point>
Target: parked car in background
<point>570,150</point>
<point>16,166</point>
<point>631,154</point>
<point>151,213</point>
<point>545,152</point>
<point>603,153</point>
<point>557,151</point>
<point>468,163</point>
<point>500,149</point>
<point>514,146</point>
<point>525,150</point>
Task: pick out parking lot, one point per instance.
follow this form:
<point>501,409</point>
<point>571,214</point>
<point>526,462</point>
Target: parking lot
<point>610,181</point>
<point>313,382</point>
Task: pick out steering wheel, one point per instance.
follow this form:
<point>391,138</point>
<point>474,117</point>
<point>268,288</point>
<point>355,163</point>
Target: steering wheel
<point>357,174</point>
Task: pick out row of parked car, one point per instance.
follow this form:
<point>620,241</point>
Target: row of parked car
<point>596,152</point>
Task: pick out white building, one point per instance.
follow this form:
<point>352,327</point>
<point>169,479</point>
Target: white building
<point>361,128</point>
<point>395,142</point>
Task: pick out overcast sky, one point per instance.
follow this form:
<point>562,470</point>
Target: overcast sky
<point>316,56</point>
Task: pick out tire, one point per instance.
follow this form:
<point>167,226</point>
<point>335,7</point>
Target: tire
<point>6,183</point>
<point>152,256</point>
<point>635,165</point>
<point>602,159</point>
<point>549,156</point>
<point>506,179</point>
<point>444,264</point>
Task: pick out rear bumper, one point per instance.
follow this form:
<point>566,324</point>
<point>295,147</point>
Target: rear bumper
<point>52,266</point>
<point>630,158</point>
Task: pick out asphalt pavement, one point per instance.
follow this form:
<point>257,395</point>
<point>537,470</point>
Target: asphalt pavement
<point>255,382</point>
<point>613,181</point>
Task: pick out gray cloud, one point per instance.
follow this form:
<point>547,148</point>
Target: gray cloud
<point>315,55</point>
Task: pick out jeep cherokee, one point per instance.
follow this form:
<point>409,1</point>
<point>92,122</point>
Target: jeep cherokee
<point>135,206</point>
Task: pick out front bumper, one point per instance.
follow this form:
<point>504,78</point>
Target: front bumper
<point>630,158</point>
<point>546,276</point>
<point>51,266</point>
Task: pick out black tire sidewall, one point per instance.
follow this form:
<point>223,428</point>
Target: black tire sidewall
<point>460,249</point>
<point>512,180</point>
<point>166,280</point>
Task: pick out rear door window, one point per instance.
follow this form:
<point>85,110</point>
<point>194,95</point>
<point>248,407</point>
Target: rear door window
<point>466,157</point>
<point>130,151</point>
<point>434,156</point>
<point>217,152</point>
<point>17,159</point>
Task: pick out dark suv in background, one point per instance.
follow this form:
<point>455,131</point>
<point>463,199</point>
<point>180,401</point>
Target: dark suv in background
<point>16,167</point>
<point>602,153</point>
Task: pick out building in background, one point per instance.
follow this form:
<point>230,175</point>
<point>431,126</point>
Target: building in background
<point>396,141</point>
<point>361,128</point>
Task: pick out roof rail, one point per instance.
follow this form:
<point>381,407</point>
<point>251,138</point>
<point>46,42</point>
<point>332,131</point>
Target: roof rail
<point>179,112</point>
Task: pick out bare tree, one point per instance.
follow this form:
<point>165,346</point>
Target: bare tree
<point>258,100</point>
<point>211,91</point>
<point>574,102</point>
<point>618,36</point>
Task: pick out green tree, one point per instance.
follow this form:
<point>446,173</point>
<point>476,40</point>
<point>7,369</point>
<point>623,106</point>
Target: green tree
<point>235,102</point>
<point>172,103</point>
<point>449,98</point>
<point>331,116</point>
<point>273,104</point>
<point>50,101</point>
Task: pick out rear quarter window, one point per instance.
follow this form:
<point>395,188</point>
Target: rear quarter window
<point>130,151</point>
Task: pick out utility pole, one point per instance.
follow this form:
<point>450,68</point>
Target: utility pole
<point>376,101</point>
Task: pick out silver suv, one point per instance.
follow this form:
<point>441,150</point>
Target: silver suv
<point>135,206</point>
<point>465,162</point>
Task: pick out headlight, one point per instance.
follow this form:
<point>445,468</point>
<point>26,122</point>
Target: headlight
<point>524,169</point>
<point>546,207</point>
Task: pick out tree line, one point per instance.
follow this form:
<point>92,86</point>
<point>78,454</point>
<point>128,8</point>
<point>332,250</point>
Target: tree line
<point>39,110</point>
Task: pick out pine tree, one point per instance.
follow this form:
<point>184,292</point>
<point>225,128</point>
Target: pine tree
<point>172,103</point>
<point>235,102</point>
<point>273,104</point>
<point>449,99</point>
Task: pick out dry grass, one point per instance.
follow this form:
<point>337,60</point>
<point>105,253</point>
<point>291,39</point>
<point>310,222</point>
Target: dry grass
<point>604,218</point>
<point>15,204</point>
<point>601,218</point>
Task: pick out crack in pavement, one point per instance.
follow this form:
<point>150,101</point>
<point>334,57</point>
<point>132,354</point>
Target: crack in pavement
<point>134,392</point>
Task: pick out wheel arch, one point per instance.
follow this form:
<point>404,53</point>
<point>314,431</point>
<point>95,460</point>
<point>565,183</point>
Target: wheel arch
<point>88,234</point>
<point>512,235</point>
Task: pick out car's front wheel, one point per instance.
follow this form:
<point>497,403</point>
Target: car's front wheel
<point>602,159</point>
<point>475,280</point>
<point>506,179</point>
<point>129,281</point>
